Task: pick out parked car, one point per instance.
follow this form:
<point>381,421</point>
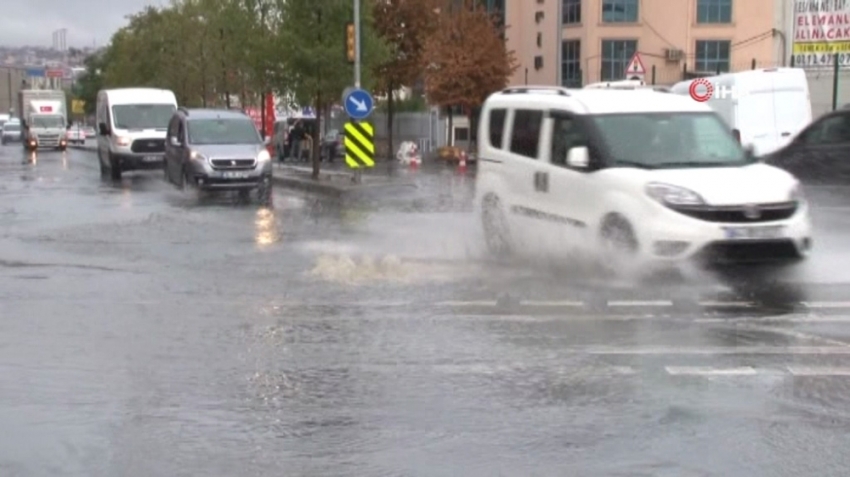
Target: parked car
<point>76,135</point>
<point>217,150</point>
<point>819,153</point>
<point>11,132</point>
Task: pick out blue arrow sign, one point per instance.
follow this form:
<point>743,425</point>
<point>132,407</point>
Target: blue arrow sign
<point>358,104</point>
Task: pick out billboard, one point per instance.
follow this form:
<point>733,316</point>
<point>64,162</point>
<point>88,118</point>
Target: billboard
<point>35,72</point>
<point>821,29</point>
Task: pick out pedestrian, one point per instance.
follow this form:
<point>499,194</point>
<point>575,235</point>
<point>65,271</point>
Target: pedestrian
<point>307,146</point>
<point>295,139</point>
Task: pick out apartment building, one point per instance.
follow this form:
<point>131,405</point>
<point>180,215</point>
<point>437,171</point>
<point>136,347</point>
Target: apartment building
<point>575,42</point>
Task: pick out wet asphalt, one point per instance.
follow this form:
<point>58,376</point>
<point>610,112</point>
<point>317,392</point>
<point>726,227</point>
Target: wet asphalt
<point>145,331</point>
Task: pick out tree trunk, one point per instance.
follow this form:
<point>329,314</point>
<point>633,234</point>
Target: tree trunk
<point>390,117</point>
<point>317,139</point>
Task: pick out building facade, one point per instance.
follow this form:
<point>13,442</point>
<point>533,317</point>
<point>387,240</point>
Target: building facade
<point>11,81</point>
<point>576,42</point>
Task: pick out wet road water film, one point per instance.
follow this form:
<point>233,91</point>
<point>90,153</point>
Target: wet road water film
<point>146,331</point>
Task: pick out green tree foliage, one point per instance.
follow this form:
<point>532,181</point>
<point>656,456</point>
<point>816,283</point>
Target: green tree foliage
<point>315,69</point>
<point>91,81</point>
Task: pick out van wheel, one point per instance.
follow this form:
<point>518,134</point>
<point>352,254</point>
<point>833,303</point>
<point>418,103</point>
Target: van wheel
<point>264,195</point>
<point>619,246</point>
<point>496,230</point>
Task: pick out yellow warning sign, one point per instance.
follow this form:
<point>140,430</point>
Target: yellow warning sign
<point>78,106</point>
<point>822,47</point>
<point>359,145</point>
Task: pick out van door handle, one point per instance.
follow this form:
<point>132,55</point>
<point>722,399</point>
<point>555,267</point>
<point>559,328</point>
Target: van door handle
<point>541,181</point>
<point>786,134</point>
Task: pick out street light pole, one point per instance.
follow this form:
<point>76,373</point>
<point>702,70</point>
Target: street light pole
<point>356,43</point>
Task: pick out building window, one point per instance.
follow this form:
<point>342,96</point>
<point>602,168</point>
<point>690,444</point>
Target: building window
<point>714,11</point>
<point>712,56</point>
<point>571,64</point>
<point>616,55</point>
<point>571,11</point>
<point>620,11</point>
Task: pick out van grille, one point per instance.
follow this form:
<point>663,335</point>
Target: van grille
<point>45,140</point>
<point>231,164</point>
<point>740,213</point>
<point>148,146</point>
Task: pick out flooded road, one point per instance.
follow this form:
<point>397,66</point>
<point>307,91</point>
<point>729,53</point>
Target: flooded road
<point>145,331</point>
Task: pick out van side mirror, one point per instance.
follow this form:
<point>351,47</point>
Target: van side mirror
<point>578,158</point>
<point>175,141</point>
<point>104,131</point>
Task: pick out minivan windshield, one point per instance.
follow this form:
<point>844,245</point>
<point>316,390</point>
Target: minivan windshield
<point>142,116</point>
<point>670,140</point>
<point>223,131</point>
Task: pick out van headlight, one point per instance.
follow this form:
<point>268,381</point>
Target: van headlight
<point>122,141</point>
<point>669,194</point>
<point>264,156</point>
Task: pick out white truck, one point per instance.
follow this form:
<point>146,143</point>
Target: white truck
<point>44,119</point>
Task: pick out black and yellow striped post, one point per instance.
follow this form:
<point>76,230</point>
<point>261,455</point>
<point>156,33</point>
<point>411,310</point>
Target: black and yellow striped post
<point>359,144</point>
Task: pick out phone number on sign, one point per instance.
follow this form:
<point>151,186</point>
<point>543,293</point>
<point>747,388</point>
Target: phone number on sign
<point>821,59</point>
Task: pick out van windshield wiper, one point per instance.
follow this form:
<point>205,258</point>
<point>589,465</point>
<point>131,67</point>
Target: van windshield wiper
<point>697,164</point>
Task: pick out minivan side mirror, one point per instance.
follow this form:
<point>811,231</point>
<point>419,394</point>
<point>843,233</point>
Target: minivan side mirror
<point>578,158</point>
<point>104,131</point>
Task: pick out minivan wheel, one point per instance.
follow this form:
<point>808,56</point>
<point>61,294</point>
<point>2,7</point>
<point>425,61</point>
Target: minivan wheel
<point>619,246</point>
<point>114,168</point>
<point>496,230</point>
<point>264,194</point>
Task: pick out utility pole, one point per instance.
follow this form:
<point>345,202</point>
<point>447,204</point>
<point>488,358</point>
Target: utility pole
<point>357,43</point>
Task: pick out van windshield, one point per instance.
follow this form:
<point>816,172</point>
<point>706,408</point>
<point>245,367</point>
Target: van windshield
<point>11,127</point>
<point>670,140</point>
<point>142,116</point>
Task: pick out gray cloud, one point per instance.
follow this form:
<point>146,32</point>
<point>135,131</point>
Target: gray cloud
<point>32,22</point>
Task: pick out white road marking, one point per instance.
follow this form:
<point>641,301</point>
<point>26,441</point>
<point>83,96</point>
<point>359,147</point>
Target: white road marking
<point>826,304</point>
<point>709,371</point>
<point>468,303</point>
<point>552,304</point>
<point>727,304</point>
<point>817,371</point>
<point>647,303</point>
<point>726,351</point>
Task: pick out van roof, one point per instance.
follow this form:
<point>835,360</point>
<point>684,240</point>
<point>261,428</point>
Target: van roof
<point>596,101</point>
<point>134,95</point>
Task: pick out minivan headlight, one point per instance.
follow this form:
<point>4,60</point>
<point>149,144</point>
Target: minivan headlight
<point>669,194</point>
<point>796,194</point>
<point>264,156</point>
<point>196,156</point>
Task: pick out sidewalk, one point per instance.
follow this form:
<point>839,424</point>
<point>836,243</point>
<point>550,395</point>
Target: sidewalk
<point>336,181</point>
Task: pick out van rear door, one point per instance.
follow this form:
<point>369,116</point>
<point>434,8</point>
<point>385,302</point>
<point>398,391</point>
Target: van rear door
<point>792,104</point>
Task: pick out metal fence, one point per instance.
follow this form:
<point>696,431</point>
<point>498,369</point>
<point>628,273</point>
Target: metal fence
<point>426,129</point>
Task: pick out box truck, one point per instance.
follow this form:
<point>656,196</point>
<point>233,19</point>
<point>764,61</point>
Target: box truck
<point>44,119</point>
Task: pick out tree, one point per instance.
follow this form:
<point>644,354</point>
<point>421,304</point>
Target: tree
<point>88,85</point>
<point>315,68</point>
<point>466,59</point>
<point>404,25</point>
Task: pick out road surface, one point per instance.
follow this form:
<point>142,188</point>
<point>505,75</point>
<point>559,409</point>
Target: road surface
<point>145,331</point>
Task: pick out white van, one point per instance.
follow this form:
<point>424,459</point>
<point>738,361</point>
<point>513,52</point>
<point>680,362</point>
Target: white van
<point>643,177</point>
<point>132,125</point>
<point>766,108</point>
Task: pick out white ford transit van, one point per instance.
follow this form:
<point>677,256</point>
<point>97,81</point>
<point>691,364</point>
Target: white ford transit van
<point>132,125</point>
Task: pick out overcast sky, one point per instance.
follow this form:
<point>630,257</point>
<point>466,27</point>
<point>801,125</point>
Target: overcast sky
<point>32,22</point>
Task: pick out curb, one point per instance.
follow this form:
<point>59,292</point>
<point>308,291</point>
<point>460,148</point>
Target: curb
<point>333,190</point>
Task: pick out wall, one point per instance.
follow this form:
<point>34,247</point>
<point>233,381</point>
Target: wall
<point>10,84</point>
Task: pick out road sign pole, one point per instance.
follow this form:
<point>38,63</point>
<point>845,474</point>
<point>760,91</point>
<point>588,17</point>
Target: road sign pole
<point>356,43</point>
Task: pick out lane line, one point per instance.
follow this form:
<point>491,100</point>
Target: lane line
<point>552,304</point>
<point>645,303</point>
<point>709,371</point>
<point>818,371</point>
<point>826,304</point>
<point>729,351</point>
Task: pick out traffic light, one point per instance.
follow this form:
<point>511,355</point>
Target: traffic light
<point>350,42</point>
